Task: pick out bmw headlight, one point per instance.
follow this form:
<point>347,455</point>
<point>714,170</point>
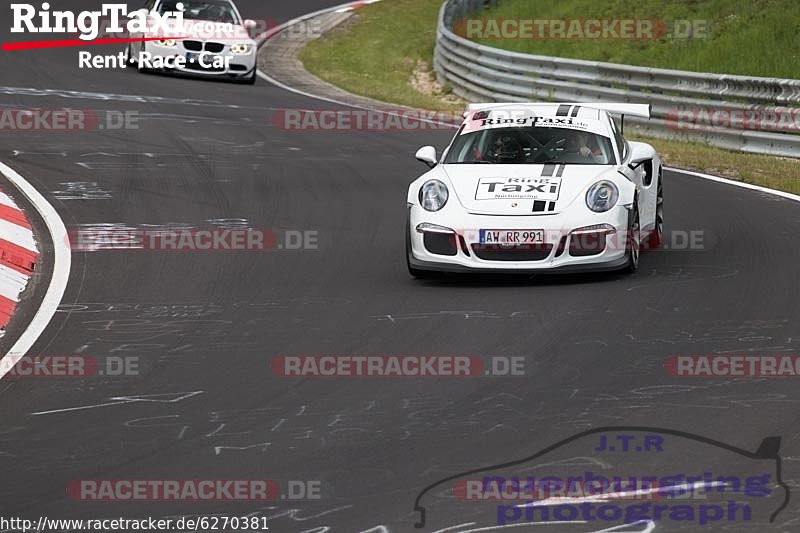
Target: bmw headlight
<point>241,48</point>
<point>602,196</point>
<point>167,42</point>
<point>433,195</point>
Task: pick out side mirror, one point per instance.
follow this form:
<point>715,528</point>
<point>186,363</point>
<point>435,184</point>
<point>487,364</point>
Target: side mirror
<point>250,24</point>
<point>640,152</point>
<point>427,154</point>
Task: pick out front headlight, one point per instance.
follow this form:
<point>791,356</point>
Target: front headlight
<point>602,196</point>
<point>241,48</point>
<point>433,195</point>
<point>167,42</point>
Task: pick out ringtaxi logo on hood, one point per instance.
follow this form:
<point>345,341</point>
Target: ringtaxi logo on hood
<point>87,23</point>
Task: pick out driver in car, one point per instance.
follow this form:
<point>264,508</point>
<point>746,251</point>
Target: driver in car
<point>508,149</point>
<point>582,143</point>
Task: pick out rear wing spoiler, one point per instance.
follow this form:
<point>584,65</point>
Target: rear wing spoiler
<point>636,110</point>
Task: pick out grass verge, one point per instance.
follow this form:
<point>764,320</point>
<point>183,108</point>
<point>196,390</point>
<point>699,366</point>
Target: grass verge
<point>782,173</point>
<point>729,36</point>
<point>385,53</point>
<point>381,52</point>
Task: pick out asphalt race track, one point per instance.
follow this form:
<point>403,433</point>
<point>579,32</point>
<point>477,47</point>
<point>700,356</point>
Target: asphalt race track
<point>207,325</point>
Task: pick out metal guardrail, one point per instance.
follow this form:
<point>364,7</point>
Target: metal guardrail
<point>483,73</point>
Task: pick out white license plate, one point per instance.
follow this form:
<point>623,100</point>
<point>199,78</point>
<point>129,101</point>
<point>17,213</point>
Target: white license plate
<point>512,236</point>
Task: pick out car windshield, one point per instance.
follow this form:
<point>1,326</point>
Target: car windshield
<point>213,10</point>
<point>535,145</point>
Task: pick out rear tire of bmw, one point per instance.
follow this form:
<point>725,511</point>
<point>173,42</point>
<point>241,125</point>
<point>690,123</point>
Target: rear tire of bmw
<point>633,240</point>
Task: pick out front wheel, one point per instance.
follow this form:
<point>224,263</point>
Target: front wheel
<point>656,237</point>
<point>633,240</point>
<point>142,69</point>
<point>129,56</point>
<point>251,80</point>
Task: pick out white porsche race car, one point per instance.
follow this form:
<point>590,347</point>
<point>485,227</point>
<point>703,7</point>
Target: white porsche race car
<point>530,187</point>
<point>213,41</point>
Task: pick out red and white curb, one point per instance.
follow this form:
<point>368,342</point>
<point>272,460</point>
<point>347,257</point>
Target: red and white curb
<point>355,5</point>
<point>18,254</point>
<point>62,262</point>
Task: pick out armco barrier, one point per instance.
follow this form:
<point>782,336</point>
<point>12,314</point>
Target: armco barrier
<point>483,73</point>
<point>18,256</point>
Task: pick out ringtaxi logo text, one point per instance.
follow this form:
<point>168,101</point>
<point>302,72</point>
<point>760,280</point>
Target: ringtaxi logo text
<point>87,23</point>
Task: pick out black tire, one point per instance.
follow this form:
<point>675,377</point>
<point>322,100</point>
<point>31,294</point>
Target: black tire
<point>252,79</point>
<point>140,66</point>
<point>633,240</point>
<point>656,237</point>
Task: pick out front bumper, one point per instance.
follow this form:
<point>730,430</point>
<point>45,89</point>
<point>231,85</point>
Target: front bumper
<point>221,64</point>
<point>602,249</point>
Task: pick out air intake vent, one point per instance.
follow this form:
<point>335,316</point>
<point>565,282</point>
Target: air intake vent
<point>522,252</point>
<point>440,243</point>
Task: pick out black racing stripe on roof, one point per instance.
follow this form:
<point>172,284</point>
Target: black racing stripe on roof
<point>563,110</point>
<point>561,169</point>
<point>548,170</point>
<point>575,111</point>
<point>538,205</point>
